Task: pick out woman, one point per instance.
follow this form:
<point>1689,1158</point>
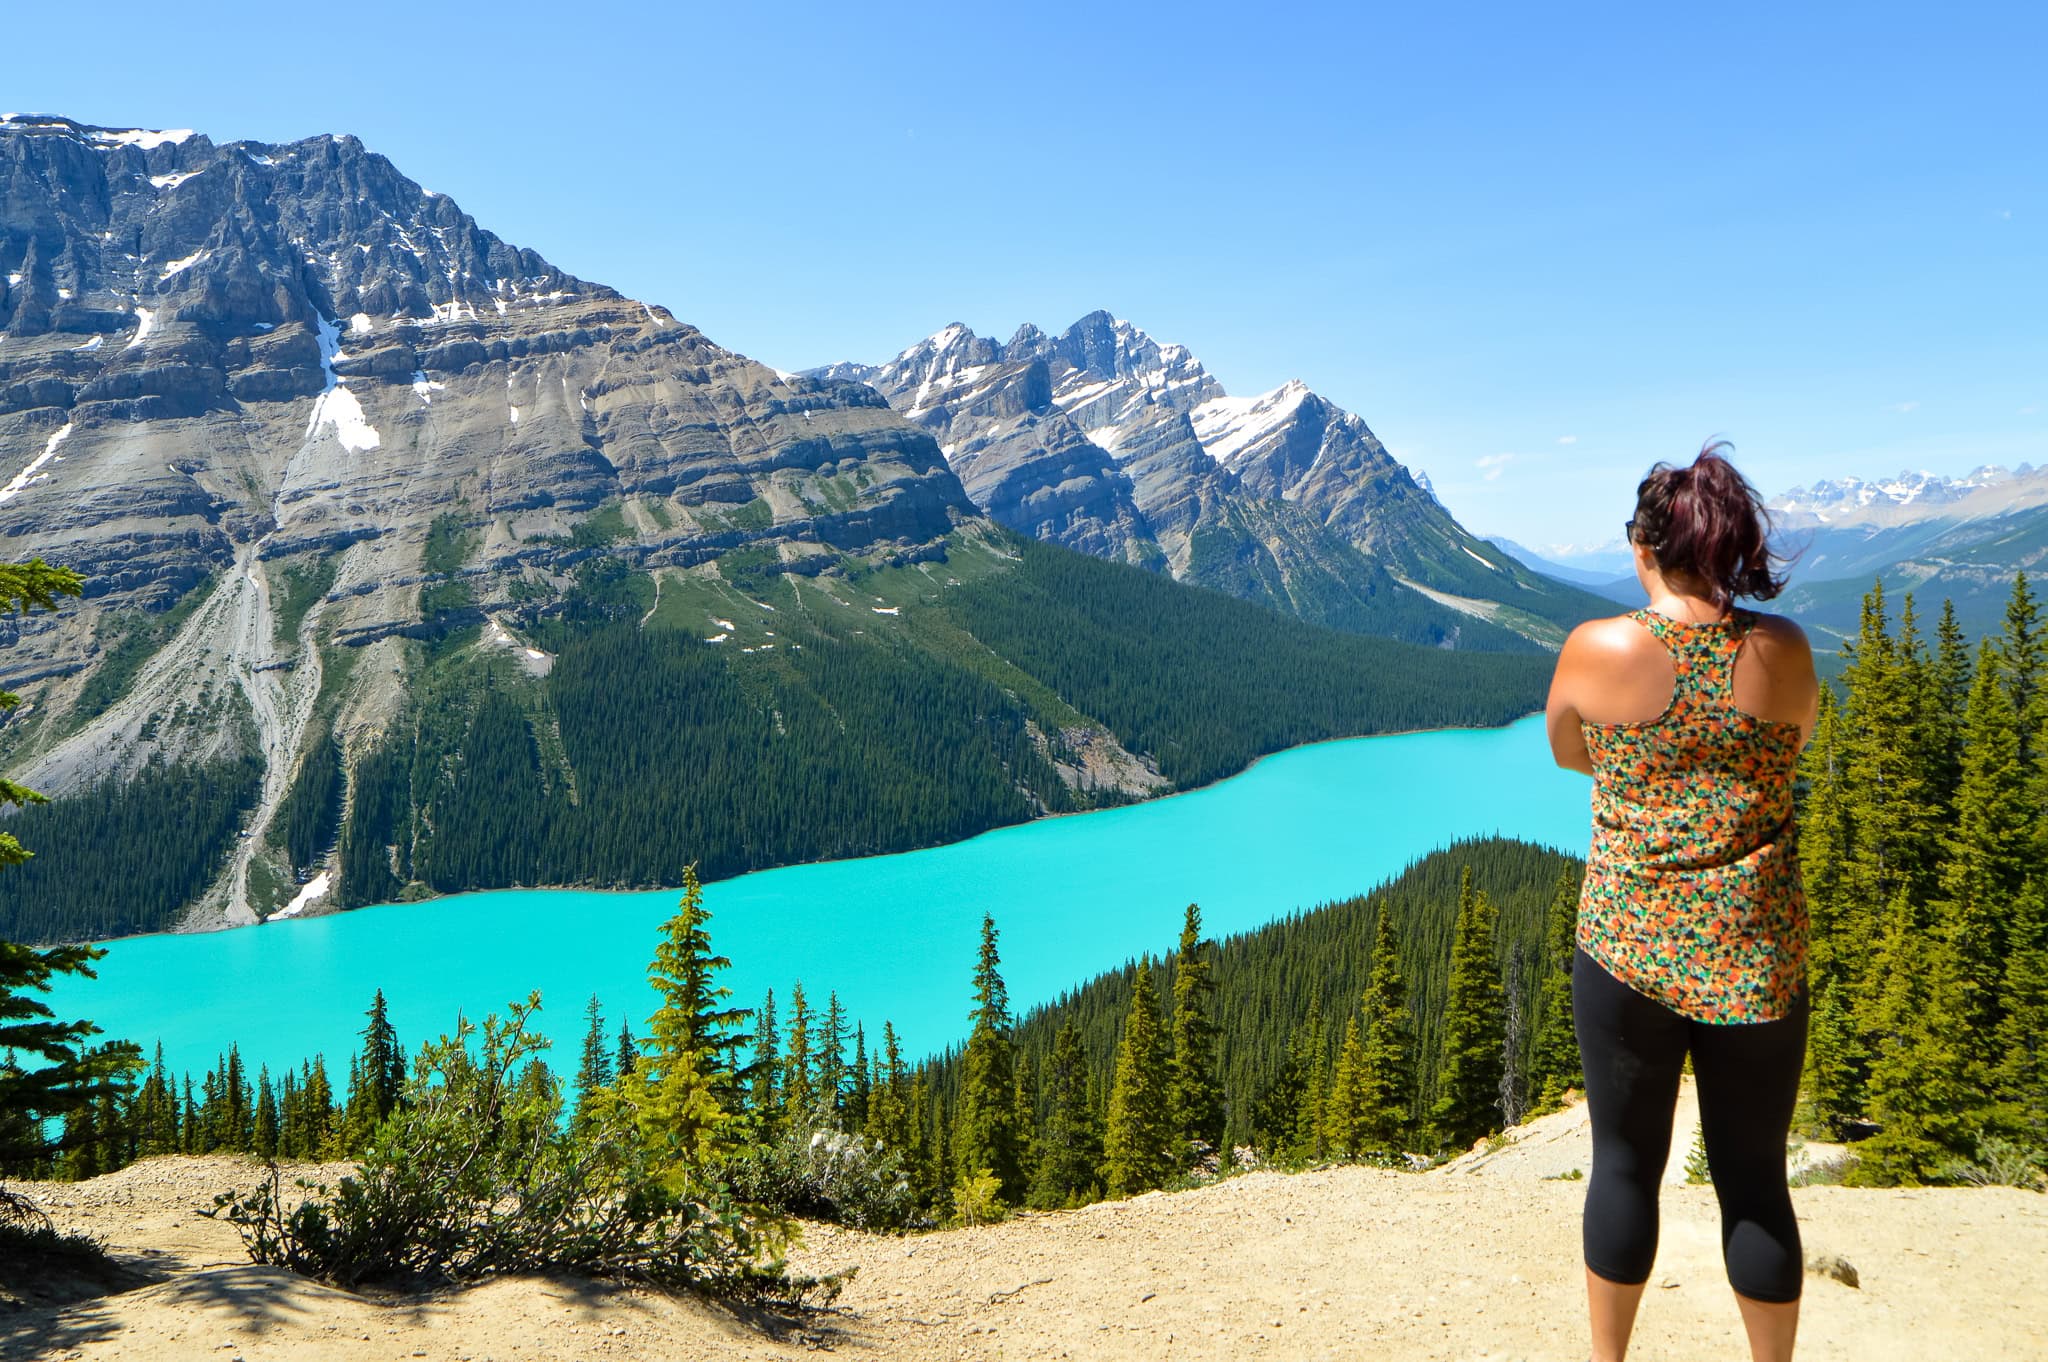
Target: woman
<point>1689,715</point>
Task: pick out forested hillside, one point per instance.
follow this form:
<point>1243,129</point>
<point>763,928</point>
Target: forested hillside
<point>736,717</point>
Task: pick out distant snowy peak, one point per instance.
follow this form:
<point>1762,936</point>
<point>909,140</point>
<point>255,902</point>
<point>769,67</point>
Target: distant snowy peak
<point>1909,495</point>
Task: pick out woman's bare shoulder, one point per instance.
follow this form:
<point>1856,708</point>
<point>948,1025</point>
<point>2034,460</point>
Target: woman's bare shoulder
<point>1616,636</point>
<point>1779,633</point>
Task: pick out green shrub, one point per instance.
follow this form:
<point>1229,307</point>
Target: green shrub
<point>825,1174</point>
<point>475,1174</point>
<point>1999,1163</point>
<point>977,1200</point>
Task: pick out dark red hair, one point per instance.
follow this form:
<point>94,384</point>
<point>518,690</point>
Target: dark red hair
<point>1707,522</point>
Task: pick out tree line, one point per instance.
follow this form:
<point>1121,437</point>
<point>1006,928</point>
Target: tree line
<point>1924,841</point>
<point>1170,1069</point>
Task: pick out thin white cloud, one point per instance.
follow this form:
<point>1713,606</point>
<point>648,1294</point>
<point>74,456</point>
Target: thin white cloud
<point>1567,439</point>
<point>1494,464</point>
<point>1902,407</point>
<point>2028,411</point>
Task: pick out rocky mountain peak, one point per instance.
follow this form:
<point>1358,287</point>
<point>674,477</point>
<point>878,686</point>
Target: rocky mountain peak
<point>1105,439</point>
<point>111,224</point>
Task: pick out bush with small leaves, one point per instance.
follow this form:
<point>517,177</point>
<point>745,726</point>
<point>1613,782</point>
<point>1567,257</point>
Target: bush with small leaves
<point>820,1173</point>
<point>1999,1163</point>
<point>475,1175</point>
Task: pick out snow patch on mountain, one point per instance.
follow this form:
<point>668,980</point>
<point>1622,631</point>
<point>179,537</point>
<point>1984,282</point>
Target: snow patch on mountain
<point>1230,427</point>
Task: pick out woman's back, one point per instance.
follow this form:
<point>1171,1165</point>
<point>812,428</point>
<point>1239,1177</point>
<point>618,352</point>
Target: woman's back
<point>1692,892</point>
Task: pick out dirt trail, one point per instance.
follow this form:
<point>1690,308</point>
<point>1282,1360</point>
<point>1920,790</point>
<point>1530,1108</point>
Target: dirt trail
<point>1478,1260</point>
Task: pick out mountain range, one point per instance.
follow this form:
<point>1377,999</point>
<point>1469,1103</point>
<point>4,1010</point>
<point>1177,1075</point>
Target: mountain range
<point>1961,539</point>
<point>415,563</point>
<point>1106,440</point>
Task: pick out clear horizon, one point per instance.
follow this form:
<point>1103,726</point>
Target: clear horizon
<point>1534,255</point>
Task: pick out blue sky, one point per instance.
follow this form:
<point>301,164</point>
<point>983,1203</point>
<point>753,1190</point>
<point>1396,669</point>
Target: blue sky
<point>1535,251</point>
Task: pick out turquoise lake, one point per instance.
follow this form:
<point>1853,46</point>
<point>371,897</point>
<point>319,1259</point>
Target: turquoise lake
<point>895,936</point>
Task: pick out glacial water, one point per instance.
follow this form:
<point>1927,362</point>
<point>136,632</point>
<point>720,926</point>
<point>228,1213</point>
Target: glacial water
<point>895,936</point>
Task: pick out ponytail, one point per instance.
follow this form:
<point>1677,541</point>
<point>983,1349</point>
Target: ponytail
<point>1706,521</point>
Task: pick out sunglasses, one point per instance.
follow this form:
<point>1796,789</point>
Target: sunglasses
<point>1628,530</point>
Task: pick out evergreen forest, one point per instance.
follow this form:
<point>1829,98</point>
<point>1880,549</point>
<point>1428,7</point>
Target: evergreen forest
<point>838,741</point>
<point>1924,843</point>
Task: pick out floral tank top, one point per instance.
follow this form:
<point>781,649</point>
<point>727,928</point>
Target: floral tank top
<point>1692,893</point>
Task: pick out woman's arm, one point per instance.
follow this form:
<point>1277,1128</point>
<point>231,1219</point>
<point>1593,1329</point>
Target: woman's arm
<point>1561,714</point>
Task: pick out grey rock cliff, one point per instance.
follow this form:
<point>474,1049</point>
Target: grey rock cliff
<point>287,348</point>
<point>1106,440</point>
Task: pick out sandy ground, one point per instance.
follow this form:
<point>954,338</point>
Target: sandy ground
<point>1477,1260</point>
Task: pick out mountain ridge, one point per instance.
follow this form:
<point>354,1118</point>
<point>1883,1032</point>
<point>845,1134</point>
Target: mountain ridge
<point>1105,439</point>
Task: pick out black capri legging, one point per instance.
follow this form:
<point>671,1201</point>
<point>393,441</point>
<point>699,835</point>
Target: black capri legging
<point>1633,1049</point>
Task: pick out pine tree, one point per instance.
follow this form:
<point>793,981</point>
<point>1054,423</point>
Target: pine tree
<point>1389,1060</point>
<point>2020,1080</point>
<point>1137,1141</point>
<point>1468,1082</point>
<point>1988,849</point>
<point>1949,682</point>
<point>319,1131</point>
<point>1923,1095</point>
<point>1070,1143</point>
<point>693,1018</point>
<point>1824,830</point>
<point>1348,1117</point>
<point>888,1114</point>
<point>266,1128</point>
<point>764,1066</point>
<point>628,1055</point>
<point>1895,838</point>
<point>1310,1138</point>
<point>831,1061</point>
<point>861,1087</point>
<point>382,1076</point>
<point>1195,1099</point>
<point>595,1069</point>
<point>684,1087</point>
<point>1554,1067</point>
<point>2022,650</point>
<point>1831,1090</point>
<point>985,1134</point>
<point>157,1109</point>
<point>798,1100</point>
<point>924,1161</point>
<point>238,1116</point>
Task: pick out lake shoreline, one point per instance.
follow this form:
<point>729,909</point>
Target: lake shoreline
<point>316,913</point>
<point>894,935</point>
